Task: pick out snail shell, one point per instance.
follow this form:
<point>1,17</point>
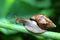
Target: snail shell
<point>43,21</point>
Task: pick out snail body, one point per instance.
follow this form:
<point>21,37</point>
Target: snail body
<point>30,25</point>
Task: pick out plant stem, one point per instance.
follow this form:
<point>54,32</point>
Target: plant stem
<point>19,28</point>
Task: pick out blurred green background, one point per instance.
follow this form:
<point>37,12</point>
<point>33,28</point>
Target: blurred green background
<point>11,9</point>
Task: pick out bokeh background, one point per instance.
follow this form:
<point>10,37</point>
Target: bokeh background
<point>11,9</point>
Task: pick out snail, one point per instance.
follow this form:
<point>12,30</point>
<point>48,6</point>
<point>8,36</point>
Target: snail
<point>36,24</point>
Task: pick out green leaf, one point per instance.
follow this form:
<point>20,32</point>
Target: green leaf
<point>38,3</point>
<point>5,7</point>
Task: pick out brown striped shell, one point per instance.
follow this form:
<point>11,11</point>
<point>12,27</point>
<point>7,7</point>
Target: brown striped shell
<point>43,21</point>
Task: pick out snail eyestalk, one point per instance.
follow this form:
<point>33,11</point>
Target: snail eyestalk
<point>18,20</point>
